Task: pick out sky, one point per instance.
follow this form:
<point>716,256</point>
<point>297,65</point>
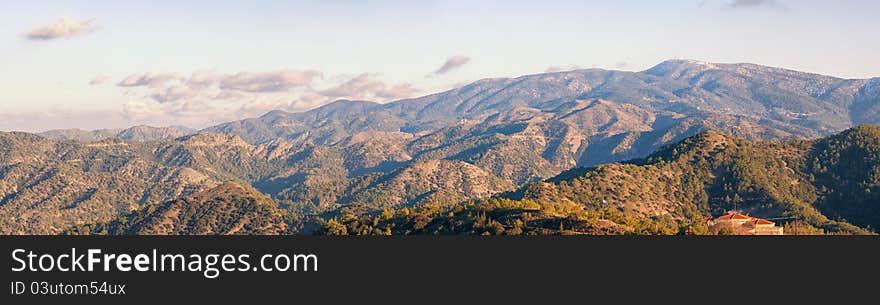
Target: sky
<point>114,64</point>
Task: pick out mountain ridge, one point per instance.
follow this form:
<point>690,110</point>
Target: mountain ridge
<point>134,133</point>
<point>490,136</point>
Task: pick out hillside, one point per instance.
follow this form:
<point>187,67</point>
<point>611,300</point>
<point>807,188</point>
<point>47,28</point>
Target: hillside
<point>825,185</point>
<point>846,170</point>
<point>48,186</point>
<point>227,209</point>
<point>710,173</point>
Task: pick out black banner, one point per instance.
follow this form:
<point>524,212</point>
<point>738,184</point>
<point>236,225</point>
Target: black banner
<point>417,269</point>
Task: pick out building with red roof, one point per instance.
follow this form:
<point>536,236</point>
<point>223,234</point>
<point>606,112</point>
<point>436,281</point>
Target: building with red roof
<point>743,225</point>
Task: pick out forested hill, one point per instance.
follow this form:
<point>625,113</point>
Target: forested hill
<point>829,185</point>
<point>223,210</point>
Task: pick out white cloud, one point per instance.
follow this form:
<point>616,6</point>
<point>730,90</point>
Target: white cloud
<point>203,79</point>
<point>229,95</point>
<point>207,97</point>
<point>368,86</point>
<point>397,91</point>
<point>452,63</point>
<point>309,100</point>
<point>562,68</point>
<point>174,93</point>
<point>191,113</point>
<point>268,81</point>
<point>148,79</point>
<point>62,28</point>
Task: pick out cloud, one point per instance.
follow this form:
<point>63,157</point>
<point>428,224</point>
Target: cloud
<point>148,79</point>
<point>61,117</point>
<point>742,4</point>
<point>562,68</point>
<point>174,93</point>
<point>229,95</point>
<point>203,79</point>
<point>207,97</point>
<point>356,87</point>
<point>268,81</point>
<point>99,80</point>
<point>309,100</point>
<point>397,91</point>
<point>62,28</point>
<point>193,113</point>
<point>367,86</point>
<point>171,87</point>
<point>259,107</point>
<point>452,63</point>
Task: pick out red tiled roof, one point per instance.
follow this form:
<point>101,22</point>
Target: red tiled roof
<point>758,221</point>
<point>733,216</point>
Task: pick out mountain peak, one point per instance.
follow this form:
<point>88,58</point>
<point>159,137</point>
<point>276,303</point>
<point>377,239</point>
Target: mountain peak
<point>712,136</point>
<point>348,103</point>
<point>678,67</point>
<point>703,144</point>
<point>274,114</point>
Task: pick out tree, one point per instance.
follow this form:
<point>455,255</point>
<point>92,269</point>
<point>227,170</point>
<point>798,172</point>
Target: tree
<point>333,227</point>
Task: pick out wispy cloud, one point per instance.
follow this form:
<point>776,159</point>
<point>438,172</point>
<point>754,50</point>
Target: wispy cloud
<point>62,28</point>
<point>562,68</point>
<point>452,63</point>
<point>148,79</point>
<point>209,97</point>
<point>268,81</point>
<point>229,95</point>
<point>174,93</point>
<point>398,91</point>
<point>368,86</point>
<point>99,80</point>
<point>61,117</point>
<point>203,79</point>
<point>742,4</point>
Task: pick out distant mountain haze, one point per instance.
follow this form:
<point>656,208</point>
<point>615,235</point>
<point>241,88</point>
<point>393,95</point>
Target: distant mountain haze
<point>136,133</point>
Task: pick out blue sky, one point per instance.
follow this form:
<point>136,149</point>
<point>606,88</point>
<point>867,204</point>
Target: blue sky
<point>294,55</point>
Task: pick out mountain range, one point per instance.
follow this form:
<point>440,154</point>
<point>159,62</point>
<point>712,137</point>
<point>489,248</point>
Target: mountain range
<point>136,133</point>
<point>357,159</point>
